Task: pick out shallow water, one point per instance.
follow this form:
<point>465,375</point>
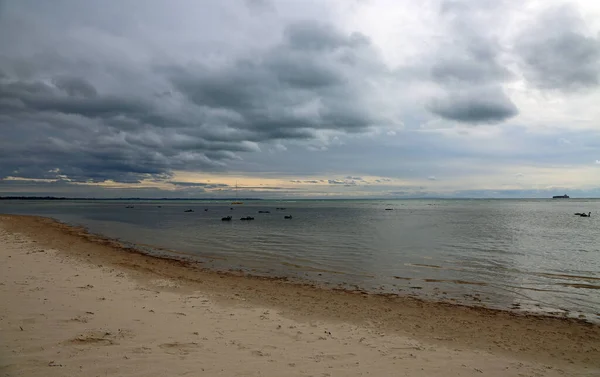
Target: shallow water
<point>522,254</point>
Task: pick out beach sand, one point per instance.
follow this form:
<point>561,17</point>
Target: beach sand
<point>74,304</point>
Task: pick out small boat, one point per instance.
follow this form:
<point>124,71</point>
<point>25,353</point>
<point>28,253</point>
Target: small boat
<point>189,210</point>
<point>264,211</point>
<point>565,196</point>
<point>589,214</point>
<point>287,217</point>
<point>247,218</point>
<point>226,218</point>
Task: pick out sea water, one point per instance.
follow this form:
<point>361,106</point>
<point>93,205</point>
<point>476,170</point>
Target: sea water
<point>530,255</point>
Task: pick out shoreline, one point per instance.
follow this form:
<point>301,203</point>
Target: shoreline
<point>196,263</point>
<point>534,337</point>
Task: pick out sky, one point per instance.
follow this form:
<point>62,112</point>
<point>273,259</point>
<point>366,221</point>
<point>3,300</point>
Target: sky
<point>300,98</point>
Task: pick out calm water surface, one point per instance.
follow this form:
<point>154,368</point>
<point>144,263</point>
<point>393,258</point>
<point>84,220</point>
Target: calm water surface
<point>520,254</point>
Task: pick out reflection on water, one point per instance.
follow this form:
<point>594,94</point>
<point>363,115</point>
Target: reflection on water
<point>532,254</point>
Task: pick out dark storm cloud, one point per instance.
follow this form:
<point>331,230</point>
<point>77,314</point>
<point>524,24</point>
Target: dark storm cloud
<point>475,106</point>
<point>68,95</point>
<point>59,124</point>
<point>312,36</point>
<point>61,129</point>
<point>75,87</point>
<point>468,63</point>
<point>310,81</point>
<point>558,53</point>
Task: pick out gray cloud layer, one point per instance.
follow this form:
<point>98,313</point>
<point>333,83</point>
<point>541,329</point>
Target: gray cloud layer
<point>486,105</point>
<point>233,108</point>
<point>312,80</point>
<point>559,53</point>
<point>468,66</point>
<point>95,91</point>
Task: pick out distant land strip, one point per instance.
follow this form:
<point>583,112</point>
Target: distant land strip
<point>66,198</point>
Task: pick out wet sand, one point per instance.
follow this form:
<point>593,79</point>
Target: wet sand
<point>78,304</point>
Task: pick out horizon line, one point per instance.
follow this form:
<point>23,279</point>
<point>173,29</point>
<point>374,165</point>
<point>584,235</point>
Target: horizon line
<point>32,197</point>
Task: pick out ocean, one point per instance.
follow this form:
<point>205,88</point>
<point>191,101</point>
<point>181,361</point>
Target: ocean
<point>531,255</point>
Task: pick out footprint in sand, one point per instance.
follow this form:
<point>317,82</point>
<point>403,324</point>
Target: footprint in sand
<point>330,357</point>
<point>101,337</point>
<point>79,318</point>
<point>142,350</point>
<point>177,348</point>
<point>94,338</point>
<point>260,353</point>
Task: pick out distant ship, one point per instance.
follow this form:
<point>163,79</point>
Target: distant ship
<point>565,196</point>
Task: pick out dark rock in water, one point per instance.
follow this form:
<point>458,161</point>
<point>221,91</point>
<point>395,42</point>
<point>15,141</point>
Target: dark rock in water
<point>205,209</point>
<point>226,218</point>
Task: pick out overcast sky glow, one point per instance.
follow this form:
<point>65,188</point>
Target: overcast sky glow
<point>300,98</point>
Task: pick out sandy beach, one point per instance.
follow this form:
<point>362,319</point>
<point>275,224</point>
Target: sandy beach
<point>76,304</point>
